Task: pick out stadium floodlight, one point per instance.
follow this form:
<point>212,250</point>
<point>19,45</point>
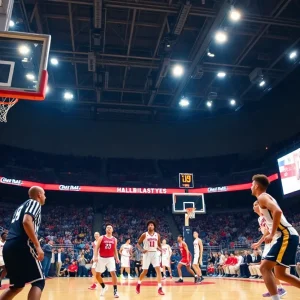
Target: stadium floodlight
<point>68,96</point>
<point>262,83</point>
<point>232,102</point>
<point>184,102</point>
<point>54,61</point>
<point>30,76</point>
<point>235,15</point>
<point>24,50</point>
<point>221,37</point>
<point>293,54</point>
<point>11,24</point>
<point>209,103</point>
<point>221,74</point>
<point>178,70</point>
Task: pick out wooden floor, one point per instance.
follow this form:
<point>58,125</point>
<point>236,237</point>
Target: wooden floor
<point>210,289</point>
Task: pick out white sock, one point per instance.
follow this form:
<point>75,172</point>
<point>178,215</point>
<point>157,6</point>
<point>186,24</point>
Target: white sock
<point>159,285</point>
<point>275,297</point>
<point>180,278</point>
<point>279,286</point>
<point>139,282</point>
<point>196,275</point>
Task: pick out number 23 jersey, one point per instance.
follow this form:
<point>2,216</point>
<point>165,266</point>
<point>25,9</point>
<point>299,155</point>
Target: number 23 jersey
<point>16,230</point>
<point>107,246</point>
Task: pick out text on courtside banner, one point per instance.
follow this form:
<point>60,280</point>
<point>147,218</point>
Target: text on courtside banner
<point>128,190</point>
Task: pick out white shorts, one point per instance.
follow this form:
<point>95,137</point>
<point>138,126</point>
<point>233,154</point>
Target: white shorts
<point>267,248</point>
<point>2,261</point>
<point>125,261</point>
<point>106,263</point>
<point>165,261</point>
<point>196,259</point>
<point>94,265</point>
<point>150,258</point>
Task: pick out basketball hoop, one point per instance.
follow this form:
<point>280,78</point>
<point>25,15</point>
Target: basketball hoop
<point>6,104</point>
<point>191,212</point>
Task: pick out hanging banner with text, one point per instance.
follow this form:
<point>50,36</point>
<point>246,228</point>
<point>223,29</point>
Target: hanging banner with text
<point>128,190</point>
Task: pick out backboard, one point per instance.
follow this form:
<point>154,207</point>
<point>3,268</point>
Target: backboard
<point>181,201</point>
<point>23,65</point>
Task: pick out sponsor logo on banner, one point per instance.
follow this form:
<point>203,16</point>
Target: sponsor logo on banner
<point>141,190</point>
<point>11,181</point>
<point>217,189</point>
<point>69,187</point>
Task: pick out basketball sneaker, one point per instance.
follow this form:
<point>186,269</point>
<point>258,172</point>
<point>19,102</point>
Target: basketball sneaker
<point>103,291</point>
<point>93,286</point>
<point>138,288</point>
<point>179,281</point>
<point>116,295</point>
<point>122,276</point>
<point>160,292</point>
<point>282,292</point>
<point>129,277</point>
<point>195,279</point>
<point>164,278</point>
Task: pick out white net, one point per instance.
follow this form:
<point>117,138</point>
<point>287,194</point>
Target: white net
<point>191,213</point>
<point>5,105</point>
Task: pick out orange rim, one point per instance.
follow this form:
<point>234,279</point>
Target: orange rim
<point>9,103</point>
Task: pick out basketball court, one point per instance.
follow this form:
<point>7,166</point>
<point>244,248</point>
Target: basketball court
<point>210,289</point>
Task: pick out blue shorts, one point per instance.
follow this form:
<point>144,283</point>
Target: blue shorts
<point>284,250</point>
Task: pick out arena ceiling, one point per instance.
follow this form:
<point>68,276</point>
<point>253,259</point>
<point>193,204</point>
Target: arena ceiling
<point>137,43</point>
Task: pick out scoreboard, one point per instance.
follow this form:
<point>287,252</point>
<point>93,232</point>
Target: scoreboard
<point>186,180</point>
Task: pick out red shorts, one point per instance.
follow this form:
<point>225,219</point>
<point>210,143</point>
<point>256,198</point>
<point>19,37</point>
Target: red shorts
<point>186,261</point>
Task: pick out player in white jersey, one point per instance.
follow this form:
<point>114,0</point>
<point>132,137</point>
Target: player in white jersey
<point>166,258</point>
<point>283,253</point>
<point>198,252</point>
<point>151,245</point>
<point>265,231</point>
<point>2,264</point>
<point>94,265</point>
<point>126,253</point>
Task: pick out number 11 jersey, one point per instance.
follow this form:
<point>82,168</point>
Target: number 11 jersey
<point>151,242</point>
<point>16,230</point>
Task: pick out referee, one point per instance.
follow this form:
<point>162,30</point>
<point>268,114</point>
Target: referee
<point>22,252</point>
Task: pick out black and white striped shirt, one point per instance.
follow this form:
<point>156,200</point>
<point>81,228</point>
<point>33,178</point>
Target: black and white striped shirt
<point>16,230</point>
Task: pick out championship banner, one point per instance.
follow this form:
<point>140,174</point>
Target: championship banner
<point>128,190</point>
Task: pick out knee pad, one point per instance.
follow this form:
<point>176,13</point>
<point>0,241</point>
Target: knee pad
<point>40,284</point>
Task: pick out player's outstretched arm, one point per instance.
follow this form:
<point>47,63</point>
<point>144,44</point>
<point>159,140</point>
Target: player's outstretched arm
<point>29,229</point>
<point>265,202</point>
<point>261,240</point>
<point>140,241</point>
<point>121,249</point>
<point>96,249</point>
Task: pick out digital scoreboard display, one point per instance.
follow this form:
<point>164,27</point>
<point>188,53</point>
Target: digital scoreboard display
<point>186,180</point>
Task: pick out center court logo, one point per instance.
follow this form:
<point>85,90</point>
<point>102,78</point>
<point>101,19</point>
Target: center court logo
<point>11,181</point>
<point>69,188</point>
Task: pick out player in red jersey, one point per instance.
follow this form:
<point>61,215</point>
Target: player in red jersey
<point>186,259</point>
<point>106,256</point>
<point>94,282</point>
<point>151,245</point>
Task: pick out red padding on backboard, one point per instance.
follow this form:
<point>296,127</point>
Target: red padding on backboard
<point>39,95</point>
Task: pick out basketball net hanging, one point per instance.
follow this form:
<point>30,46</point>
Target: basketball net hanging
<point>6,104</point>
<point>190,212</point>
